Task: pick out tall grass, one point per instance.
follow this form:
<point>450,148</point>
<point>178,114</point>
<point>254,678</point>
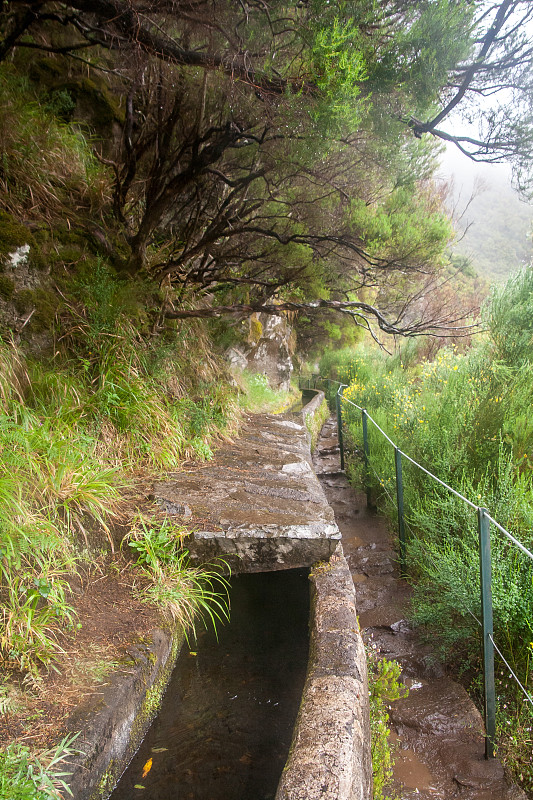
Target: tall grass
<point>46,164</point>
<point>187,593</point>
<point>25,775</point>
<point>258,395</point>
<point>72,433</point>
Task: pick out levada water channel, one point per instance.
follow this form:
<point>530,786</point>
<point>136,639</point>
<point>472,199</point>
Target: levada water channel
<point>227,718</point>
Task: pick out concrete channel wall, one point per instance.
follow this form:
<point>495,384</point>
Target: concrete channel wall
<point>113,724</point>
<point>330,751</point>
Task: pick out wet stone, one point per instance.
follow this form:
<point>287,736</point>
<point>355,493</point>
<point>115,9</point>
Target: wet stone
<point>175,509</point>
<point>260,505</point>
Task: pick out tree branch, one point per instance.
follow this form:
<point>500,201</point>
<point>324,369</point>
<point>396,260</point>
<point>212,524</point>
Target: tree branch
<point>433,327</point>
<point>142,31</point>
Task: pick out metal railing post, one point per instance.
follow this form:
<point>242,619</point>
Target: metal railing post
<point>486,617</point>
<point>366,452</point>
<point>339,424</point>
<point>399,503</point>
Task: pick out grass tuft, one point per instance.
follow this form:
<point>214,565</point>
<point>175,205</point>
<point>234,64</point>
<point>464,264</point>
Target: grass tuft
<point>187,593</point>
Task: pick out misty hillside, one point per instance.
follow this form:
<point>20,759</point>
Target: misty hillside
<point>493,223</point>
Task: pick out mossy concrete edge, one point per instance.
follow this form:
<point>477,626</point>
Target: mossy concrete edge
<point>330,756</point>
<point>113,723</point>
<point>314,413</point>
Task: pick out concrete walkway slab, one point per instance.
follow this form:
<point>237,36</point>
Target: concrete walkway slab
<point>260,504</point>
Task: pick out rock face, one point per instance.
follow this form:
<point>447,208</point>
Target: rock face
<point>268,350</point>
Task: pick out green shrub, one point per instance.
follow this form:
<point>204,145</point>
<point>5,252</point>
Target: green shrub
<point>259,396</point>
<point>25,775</point>
<point>384,686</point>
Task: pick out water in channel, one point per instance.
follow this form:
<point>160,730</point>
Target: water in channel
<point>226,723</point>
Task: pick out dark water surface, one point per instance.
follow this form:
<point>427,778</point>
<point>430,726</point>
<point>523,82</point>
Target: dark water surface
<point>226,723</point>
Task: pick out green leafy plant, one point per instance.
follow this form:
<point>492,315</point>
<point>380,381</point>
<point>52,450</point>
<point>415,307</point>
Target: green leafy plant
<point>259,396</point>
<point>33,610</point>
<point>514,730</point>
<point>188,593</point>
<point>25,775</point>
<point>385,686</point>
<point>154,541</point>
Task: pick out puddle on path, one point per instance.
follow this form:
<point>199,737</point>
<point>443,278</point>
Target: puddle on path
<point>226,723</point>
<point>408,768</point>
<point>437,729</point>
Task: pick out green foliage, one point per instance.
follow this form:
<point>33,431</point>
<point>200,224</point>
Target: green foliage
<point>155,542</point>
<point>32,610</point>
<point>403,223</point>
<point>340,66</point>
<point>416,60</point>
<point>384,686</point>
<point>258,396</point>
<point>446,565</point>
<point>25,775</point>
<point>187,593</point>
<point>510,319</point>
<point>44,163</point>
<point>514,727</point>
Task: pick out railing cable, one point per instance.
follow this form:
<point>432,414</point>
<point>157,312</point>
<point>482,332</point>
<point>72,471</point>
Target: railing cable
<point>511,537</point>
<point>524,690</point>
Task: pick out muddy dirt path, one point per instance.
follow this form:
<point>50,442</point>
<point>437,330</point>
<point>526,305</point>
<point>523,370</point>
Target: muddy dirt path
<point>437,727</point>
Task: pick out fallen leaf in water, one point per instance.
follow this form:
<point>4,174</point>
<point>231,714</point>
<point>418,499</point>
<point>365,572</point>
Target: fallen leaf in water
<point>192,653</point>
<point>147,767</point>
<point>138,786</point>
<point>159,749</point>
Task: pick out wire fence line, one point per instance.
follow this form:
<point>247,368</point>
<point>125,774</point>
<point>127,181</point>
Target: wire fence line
<point>415,463</point>
<point>484,520</point>
<point>525,692</point>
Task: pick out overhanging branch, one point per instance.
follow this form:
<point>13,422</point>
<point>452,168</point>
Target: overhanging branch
<point>433,327</point>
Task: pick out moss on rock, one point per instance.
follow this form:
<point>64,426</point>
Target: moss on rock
<point>46,303</point>
<point>256,329</point>
<point>86,99</point>
<point>12,234</point>
<point>23,300</point>
<point>314,422</point>
<point>7,287</point>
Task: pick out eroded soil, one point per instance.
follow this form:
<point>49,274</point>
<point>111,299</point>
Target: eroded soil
<point>111,620</point>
